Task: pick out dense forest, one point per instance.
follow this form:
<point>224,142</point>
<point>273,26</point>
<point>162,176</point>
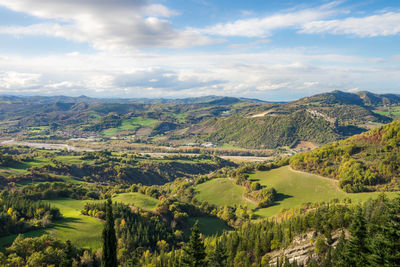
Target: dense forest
<point>19,214</point>
<point>340,234</point>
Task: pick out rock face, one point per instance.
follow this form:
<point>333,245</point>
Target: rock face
<point>302,249</point>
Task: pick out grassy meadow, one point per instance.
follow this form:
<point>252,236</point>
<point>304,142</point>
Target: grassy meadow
<point>137,199</point>
<point>208,226</point>
<point>82,230</point>
<point>294,189</point>
<point>222,191</point>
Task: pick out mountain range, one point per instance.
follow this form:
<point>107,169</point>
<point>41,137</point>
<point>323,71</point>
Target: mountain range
<point>223,121</point>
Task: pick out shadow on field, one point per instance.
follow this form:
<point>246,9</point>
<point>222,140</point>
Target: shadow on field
<point>62,222</point>
<point>281,197</point>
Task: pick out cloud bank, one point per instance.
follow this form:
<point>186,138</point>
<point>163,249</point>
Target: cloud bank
<point>136,52</point>
<point>106,25</point>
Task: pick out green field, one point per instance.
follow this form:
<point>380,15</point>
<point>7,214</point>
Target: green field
<point>63,177</point>
<point>137,199</point>
<point>22,168</point>
<point>222,191</point>
<point>296,188</point>
<point>83,231</point>
<point>394,111</point>
<point>131,124</point>
<point>180,117</point>
<point>72,159</point>
<point>208,226</point>
<point>229,146</point>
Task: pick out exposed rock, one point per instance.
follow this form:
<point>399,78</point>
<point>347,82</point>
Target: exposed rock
<point>302,249</point>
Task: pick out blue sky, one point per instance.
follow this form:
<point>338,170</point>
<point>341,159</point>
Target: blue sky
<point>272,50</point>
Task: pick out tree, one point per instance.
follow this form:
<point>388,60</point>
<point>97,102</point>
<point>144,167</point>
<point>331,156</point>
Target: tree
<point>109,256</point>
<point>356,249</point>
<point>195,254</point>
<point>385,242</point>
<point>339,253</point>
<point>66,260</point>
<point>218,257</point>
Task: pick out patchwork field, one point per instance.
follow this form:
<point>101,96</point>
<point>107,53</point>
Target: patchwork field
<point>391,111</point>
<point>131,124</point>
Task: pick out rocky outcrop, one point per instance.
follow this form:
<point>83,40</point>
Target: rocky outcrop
<point>301,249</point>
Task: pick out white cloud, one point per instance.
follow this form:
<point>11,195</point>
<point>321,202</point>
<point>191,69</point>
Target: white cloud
<point>310,21</point>
<point>267,75</point>
<point>263,27</point>
<point>107,25</point>
<point>353,90</point>
<point>256,43</point>
<point>370,26</point>
<point>12,80</point>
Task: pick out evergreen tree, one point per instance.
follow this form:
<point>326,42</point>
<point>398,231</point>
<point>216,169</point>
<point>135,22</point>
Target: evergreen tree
<point>66,260</point>
<point>218,257</point>
<point>385,243</point>
<point>356,249</point>
<point>327,261</point>
<point>109,256</point>
<point>339,252</point>
<point>195,254</point>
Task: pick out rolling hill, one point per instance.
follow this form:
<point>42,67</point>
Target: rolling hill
<point>369,161</point>
<point>237,122</point>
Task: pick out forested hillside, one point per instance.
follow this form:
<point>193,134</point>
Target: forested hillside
<point>274,131</point>
<point>369,161</point>
<point>19,165</point>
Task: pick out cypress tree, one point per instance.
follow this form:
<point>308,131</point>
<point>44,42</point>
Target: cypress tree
<point>195,254</point>
<point>109,256</point>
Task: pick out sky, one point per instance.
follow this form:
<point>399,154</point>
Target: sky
<point>265,49</point>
